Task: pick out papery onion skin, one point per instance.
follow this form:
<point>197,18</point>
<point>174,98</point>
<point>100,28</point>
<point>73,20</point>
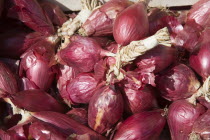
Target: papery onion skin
<point>79,114</point>
<point>81,88</point>
<point>66,124</point>
<point>36,100</point>
<point>105,109</point>
<point>35,62</point>
<point>13,64</point>
<point>54,13</point>
<point>25,84</point>
<point>4,135</point>
<point>160,58</point>
<point>8,82</point>
<point>40,130</point>
<point>141,126</point>
<point>140,100</point>
<point>131,24</point>
<point>203,102</point>
<point>200,62</point>
<point>181,116</point>
<point>201,126</point>
<point>178,82</point>
<point>100,22</point>
<point>82,53</point>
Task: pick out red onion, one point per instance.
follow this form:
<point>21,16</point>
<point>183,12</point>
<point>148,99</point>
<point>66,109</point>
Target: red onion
<point>36,100</point>
<point>32,15</point>
<point>79,114</point>
<point>12,41</point>
<point>43,131</point>
<point>5,136</point>
<point>131,24</point>
<point>156,59</point>
<point>67,125</point>
<point>100,70</point>
<point>80,89</point>
<point>142,126</point>
<point>203,102</point>
<point>54,13</point>
<point>181,116</point>
<point>201,126</point>
<point>105,109</point>
<point>8,82</point>
<point>103,41</point>
<point>26,84</point>
<point>65,75</point>
<point>100,22</point>
<point>140,100</point>
<point>200,62</point>
<point>132,80</point>
<point>177,83</point>
<point>82,53</point>
<point>12,64</point>
<point>199,14</point>
<point>35,62</point>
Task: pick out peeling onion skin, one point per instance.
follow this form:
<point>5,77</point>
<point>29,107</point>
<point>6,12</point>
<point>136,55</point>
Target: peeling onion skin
<point>178,82</point>
<point>82,53</point>
<point>131,24</point>
<point>79,114</point>
<point>8,82</point>
<point>142,126</point>
<point>160,58</point>
<point>202,126</point>
<point>200,62</point>
<point>105,109</point>
<point>140,100</point>
<point>100,22</point>
<point>81,88</point>
<point>181,116</point>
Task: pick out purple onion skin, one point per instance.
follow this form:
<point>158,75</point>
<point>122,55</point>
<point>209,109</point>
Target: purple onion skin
<point>32,15</point>
<point>64,77</point>
<point>8,82</point>
<point>82,53</point>
<point>140,100</point>
<point>158,58</point>
<point>100,22</point>
<point>179,82</point>
<point>43,131</point>
<point>36,100</point>
<point>105,101</point>
<point>200,62</point>
<point>35,62</point>
<point>131,24</point>
<point>79,114</point>
<point>181,116</point>
<point>81,88</point>
<point>203,102</point>
<point>202,126</point>
<point>54,13</point>
<point>142,126</point>
<point>5,136</point>
<point>67,125</point>
<point>26,84</point>
<point>13,64</point>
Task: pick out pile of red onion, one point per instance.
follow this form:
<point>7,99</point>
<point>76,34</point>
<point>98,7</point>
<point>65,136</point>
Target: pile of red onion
<point>116,70</point>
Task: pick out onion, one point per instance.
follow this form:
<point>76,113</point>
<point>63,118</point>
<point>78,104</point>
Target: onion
<point>181,116</point>
<point>100,70</point>
<point>82,53</point>
<point>105,109</point>
<point>157,59</point>
<point>80,89</point>
<point>26,84</point>
<point>178,82</point>
<point>201,127</point>
<point>35,100</point>
<point>8,82</point>
<point>100,22</point>
<point>12,64</point>
<point>131,24</point>
<point>142,126</point>
<point>5,136</point>
<point>203,102</point>
<point>79,114</point>
<point>32,15</point>
<point>40,130</point>
<point>67,125</point>
<point>54,13</point>
<point>140,100</point>
<point>200,62</point>
<point>35,62</point>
